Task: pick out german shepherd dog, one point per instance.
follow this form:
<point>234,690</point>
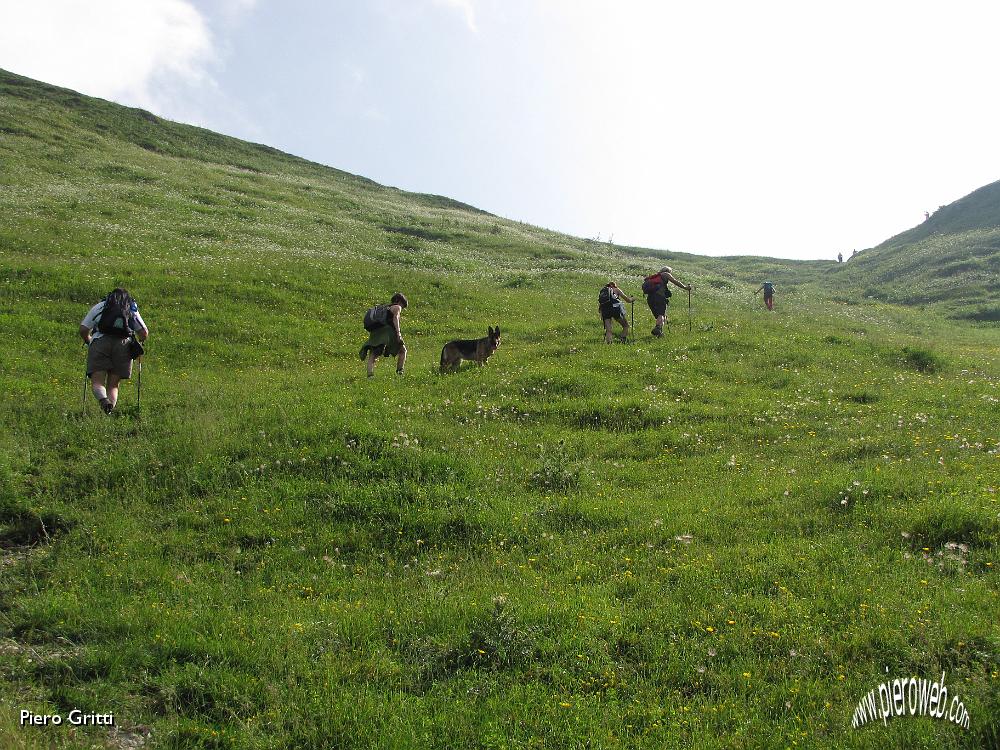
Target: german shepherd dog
<point>478,350</point>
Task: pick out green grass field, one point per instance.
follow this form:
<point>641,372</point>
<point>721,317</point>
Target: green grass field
<point>719,539</point>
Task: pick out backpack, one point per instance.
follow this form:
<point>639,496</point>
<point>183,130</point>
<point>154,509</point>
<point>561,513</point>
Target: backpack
<point>376,317</point>
<point>605,297</point>
<point>768,288</point>
<point>116,317</point>
<point>655,284</point>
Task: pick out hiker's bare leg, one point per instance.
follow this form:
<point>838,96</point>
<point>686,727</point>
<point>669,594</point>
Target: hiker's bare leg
<point>113,381</point>
<point>625,329</point>
<point>371,363</point>
<point>607,331</point>
<point>401,358</point>
<point>98,378</point>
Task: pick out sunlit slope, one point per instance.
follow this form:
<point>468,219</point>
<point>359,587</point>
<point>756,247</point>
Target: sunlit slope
<point>719,538</point>
<point>113,174</point>
<point>951,260</point>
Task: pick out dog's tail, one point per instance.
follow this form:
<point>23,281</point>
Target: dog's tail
<point>443,351</point>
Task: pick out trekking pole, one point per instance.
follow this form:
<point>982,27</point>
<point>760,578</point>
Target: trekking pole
<point>138,393</point>
<point>83,405</point>
<point>631,306</point>
<point>689,309</point>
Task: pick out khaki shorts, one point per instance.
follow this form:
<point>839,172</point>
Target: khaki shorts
<point>109,354</point>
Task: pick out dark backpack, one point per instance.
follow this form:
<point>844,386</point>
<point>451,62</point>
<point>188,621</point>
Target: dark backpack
<point>655,284</point>
<point>768,289</point>
<point>376,317</point>
<point>605,297</point>
<point>116,317</point>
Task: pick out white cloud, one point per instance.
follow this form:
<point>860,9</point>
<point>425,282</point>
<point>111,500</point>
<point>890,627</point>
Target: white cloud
<point>466,8</point>
<point>130,52</point>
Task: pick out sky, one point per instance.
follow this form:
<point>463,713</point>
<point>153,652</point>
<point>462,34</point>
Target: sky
<point>791,129</point>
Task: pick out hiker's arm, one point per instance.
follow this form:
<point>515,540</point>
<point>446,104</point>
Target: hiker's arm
<point>670,277</point>
<point>759,288</point>
<point>141,331</point>
<point>395,310</point>
<point>85,334</point>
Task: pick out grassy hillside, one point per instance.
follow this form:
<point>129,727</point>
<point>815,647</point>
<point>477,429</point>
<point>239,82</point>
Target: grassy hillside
<point>723,538</point>
<point>951,261</point>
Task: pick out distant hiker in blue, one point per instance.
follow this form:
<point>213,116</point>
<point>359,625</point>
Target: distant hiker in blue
<point>768,287</point>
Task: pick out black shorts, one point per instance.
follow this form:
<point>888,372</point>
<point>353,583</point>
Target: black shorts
<point>613,312</point>
<point>657,305</point>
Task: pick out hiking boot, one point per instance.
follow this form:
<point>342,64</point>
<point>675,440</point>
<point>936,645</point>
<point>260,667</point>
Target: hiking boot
<point>106,406</point>
<point>399,370</point>
<point>657,331</point>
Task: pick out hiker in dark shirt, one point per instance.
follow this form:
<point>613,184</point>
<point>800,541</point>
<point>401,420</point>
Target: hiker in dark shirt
<point>609,303</point>
<point>384,336</point>
<point>768,287</point>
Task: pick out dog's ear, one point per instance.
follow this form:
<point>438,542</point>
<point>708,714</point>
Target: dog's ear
<point>498,330</point>
<point>489,331</point>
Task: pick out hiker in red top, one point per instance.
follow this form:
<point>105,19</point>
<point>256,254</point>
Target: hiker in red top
<point>657,295</point>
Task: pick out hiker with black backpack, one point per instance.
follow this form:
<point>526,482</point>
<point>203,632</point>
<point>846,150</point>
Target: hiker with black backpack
<point>768,287</point>
<point>658,295</point>
<point>384,337</point>
<point>609,303</point>
<point>112,332</point>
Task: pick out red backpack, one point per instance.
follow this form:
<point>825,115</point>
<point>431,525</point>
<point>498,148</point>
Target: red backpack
<point>652,284</point>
